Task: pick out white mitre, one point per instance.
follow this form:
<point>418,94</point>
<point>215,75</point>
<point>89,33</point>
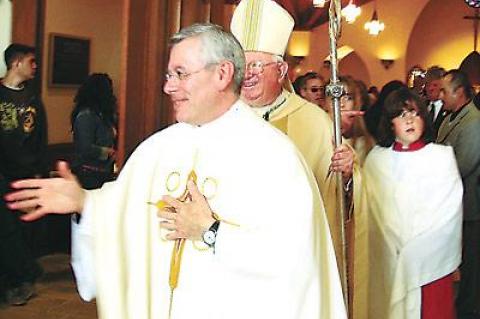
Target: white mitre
<point>262,25</point>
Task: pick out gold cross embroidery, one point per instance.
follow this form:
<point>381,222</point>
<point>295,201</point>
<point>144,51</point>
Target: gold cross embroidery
<point>176,259</point>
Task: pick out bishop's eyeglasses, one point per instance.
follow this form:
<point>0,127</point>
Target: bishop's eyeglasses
<point>258,67</point>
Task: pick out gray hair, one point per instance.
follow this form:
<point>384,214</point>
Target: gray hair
<point>218,46</point>
<point>278,58</point>
<point>434,73</point>
<point>459,79</point>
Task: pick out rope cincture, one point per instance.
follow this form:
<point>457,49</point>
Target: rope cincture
<point>179,245</point>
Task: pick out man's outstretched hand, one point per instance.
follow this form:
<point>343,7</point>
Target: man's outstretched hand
<point>39,197</point>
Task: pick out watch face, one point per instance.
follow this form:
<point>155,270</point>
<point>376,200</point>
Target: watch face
<point>209,237</point>
<point>473,3</point>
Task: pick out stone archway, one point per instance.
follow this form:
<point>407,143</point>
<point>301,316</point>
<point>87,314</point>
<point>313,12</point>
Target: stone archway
<point>354,66</point>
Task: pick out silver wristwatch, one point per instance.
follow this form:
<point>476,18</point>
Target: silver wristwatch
<point>209,237</point>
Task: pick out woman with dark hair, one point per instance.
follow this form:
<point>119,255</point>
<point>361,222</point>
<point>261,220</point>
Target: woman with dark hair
<point>374,113</point>
<point>414,196</point>
<point>94,121</point>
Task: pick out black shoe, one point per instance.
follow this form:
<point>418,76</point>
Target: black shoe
<point>19,296</point>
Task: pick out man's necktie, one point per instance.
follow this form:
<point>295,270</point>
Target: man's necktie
<point>432,112</point>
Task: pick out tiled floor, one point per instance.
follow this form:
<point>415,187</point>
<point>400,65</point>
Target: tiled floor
<point>56,296</point>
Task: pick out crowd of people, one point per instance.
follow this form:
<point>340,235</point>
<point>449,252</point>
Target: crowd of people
<point>238,200</point>
<point>420,158</point>
<point>415,199</point>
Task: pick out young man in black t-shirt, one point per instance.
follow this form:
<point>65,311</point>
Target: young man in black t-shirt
<point>23,140</point>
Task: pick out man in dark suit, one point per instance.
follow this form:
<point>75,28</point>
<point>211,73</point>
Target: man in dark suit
<point>433,83</point>
<point>461,130</point>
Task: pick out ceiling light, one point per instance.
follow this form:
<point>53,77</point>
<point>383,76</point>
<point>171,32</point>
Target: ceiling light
<point>319,3</point>
<point>374,26</point>
<point>351,12</point>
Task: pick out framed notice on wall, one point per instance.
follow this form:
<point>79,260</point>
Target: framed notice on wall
<point>69,60</point>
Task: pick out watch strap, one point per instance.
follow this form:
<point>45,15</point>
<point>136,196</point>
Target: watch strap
<point>214,226</point>
<point>209,236</point>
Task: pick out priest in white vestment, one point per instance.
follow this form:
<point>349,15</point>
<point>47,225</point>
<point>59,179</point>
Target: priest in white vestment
<point>257,243</point>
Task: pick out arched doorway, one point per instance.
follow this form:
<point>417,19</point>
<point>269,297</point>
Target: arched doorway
<point>354,66</point>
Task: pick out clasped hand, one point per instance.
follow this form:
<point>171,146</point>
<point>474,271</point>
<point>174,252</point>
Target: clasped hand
<point>189,219</point>
<point>342,161</point>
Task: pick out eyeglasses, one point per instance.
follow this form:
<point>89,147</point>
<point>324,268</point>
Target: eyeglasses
<point>317,89</point>
<point>182,76</point>
<point>258,67</point>
<point>347,97</point>
<point>407,114</point>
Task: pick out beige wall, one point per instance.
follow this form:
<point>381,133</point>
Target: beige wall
<point>441,36</point>
<point>101,22</point>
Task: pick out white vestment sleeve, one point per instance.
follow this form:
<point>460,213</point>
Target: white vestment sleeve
<point>83,262</point>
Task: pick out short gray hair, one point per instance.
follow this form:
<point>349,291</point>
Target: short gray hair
<point>218,46</point>
<point>434,73</point>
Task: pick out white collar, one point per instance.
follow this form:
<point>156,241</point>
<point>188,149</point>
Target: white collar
<point>15,88</point>
<point>437,103</point>
<point>219,121</point>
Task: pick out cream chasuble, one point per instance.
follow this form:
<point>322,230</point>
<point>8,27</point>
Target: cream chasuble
<point>311,130</point>
<point>273,256</point>
<point>415,220</point>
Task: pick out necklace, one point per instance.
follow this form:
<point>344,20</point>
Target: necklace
<point>266,116</point>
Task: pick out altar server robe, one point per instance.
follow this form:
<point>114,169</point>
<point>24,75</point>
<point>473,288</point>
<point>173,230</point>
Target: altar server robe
<point>414,221</point>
